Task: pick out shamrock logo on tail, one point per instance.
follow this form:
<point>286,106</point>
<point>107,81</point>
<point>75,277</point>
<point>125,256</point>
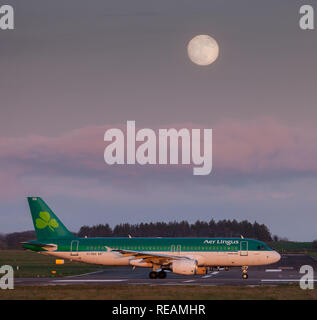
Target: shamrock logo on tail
<point>45,220</point>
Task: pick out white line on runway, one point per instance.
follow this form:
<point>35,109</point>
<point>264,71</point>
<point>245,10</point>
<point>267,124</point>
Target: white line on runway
<point>215,272</point>
<point>287,280</point>
<point>85,274</point>
<point>189,281</point>
<point>273,270</point>
<point>208,276</point>
<point>91,280</point>
<point>169,284</point>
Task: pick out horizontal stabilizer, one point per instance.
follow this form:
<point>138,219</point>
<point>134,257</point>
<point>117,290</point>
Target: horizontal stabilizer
<point>48,247</point>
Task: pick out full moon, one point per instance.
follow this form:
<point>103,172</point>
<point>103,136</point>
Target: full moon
<point>203,50</point>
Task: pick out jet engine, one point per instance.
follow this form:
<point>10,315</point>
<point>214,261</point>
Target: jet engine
<point>184,266</point>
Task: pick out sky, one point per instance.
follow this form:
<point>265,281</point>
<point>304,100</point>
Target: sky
<point>71,70</point>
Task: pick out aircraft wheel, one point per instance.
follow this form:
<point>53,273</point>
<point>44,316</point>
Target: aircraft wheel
<point>245,276</point>
<point>161,274</point>
<point>153,275</point>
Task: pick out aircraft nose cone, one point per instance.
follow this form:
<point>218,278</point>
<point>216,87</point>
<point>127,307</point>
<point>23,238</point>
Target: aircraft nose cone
<point>276,257</point>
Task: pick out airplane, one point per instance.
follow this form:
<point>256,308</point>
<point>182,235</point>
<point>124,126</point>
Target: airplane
<point>184,256</point>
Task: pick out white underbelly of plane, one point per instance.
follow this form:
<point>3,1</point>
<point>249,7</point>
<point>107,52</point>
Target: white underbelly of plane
<point>250,258</point>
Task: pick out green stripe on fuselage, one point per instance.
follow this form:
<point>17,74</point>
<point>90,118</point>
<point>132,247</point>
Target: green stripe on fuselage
<point>157,244</point>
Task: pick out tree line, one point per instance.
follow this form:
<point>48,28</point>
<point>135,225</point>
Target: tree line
<point>221,228</point>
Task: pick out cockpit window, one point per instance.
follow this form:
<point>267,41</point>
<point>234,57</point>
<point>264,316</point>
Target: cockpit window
<point>261,247</point>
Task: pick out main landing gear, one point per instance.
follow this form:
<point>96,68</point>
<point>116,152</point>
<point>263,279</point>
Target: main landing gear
<point>160,275</point>
<point>244,272</point>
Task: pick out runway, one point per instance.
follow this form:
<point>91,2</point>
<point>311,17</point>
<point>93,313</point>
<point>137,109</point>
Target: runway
<point>283,272</point>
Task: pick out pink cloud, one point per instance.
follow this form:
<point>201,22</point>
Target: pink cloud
<point>257,147</point>
<point>263,145</point>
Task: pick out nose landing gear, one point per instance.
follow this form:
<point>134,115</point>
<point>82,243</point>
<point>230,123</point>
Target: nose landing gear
<point>244,272</point>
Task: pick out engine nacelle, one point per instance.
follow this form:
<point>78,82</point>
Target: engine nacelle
<point>185,267</point>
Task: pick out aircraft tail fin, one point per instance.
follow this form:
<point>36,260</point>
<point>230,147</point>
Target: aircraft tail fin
<point>46,223</point>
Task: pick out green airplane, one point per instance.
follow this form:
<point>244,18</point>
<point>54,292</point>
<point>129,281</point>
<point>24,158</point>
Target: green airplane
<point>185,256</point>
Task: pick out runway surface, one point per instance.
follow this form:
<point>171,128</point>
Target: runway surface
<point>285,271</point>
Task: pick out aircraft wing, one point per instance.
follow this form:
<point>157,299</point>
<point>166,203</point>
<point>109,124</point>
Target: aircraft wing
<point>161,259</point>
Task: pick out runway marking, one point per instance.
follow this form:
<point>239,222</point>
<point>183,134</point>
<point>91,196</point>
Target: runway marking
<point>287,280</point>
<point>169,284</point>
<point>273,270</point>
<point>189,281</point>
<point>85,274</point>
<point>209,275</point>
<point>90,280</point>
